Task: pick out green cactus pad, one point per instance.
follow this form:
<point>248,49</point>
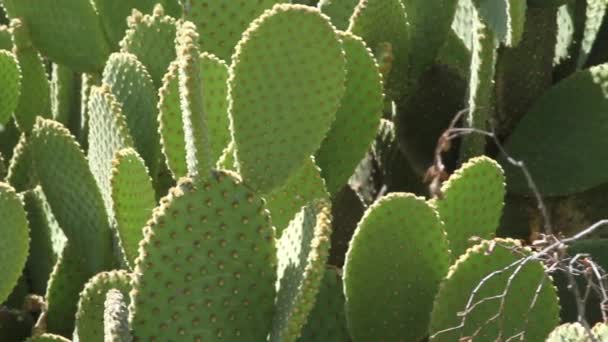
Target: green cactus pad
<point>357,119</point>
<point>114,13</point>
<point>395,231</point>
<point>90,314</point>
<point>152,39</point>
<point>21,172</point>
<point>429,22</point>
<point>116,318</point>
<point>87,83</point>
<point>285,86</point>
<point>33,80</point>
<point>327,322</point>
<point>517,315</point>
<point>108,133</point>
<point>506,18</point>
<point>427,113</point>
<point>339,11</point>
<point>209,253</point>
<point>519,85</point>
<point>65,93</point>
<point>14,245</point>
<point>481,85</point>
<point>67,31</point>
<point>133,198</point>
<point>135,91</point>
<point>565,33</point>
<point>221,23</point>
<point>194,117</point>
<point>302,252</point>
<point>601,331</point>
<point>555,161</point>
<point>68,278</point>
<point>472,203</point>
<point>48,338</point>
<point>394,30</point>
<point>595,11</point>
<point>72,193</point>
<point>47,240</point>
<point>304,186</point>
<point>171,127</point>
<point>573,332</point>
<point>10,85</point>
<point>214,74</point>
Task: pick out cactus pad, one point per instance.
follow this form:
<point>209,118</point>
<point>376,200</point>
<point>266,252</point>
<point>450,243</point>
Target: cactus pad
<point>198,148</point>
<point>302,252</point>
<point>130,82</point>
<point>517,315</point>
<point>133,198</point>
<point>357,119</point>
<point>114,13</point>
<point>429,22</point>
<point>221,23</point>
<point>14,245</point>
<point>72,192</point>
<point>214,74</point>
<point>472,203</point>
<point>595,12</point>
<point>339,11</point>
<point>52,25</point>
<point>47,240</point>
<point>395,231</point>
<point>33,80</point>
<point>116,318</point>
<point>108,133</point>
<point>68,278</point>
<point>90,314</point>
<point>575,332</point>
<point>152,39</point>
<point>10,81</point>
<point>209,253</point>
<point>171,127</point>
<point>555,161</point>
<point>506,18</point>
<point>304,186</point>
<point>327,322</point>
<point>285,86</point>
<point>21,172</point>
<point>481,85</point>
<point>394,30</point>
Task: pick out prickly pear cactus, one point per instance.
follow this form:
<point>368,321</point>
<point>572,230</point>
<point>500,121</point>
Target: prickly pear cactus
<point>15,244</point>
<point>396,230</point>
<point>212,241</point>
<point>279,122</point>
<point>471,203</point>
<point>497,293</point>
<point>304,170</point>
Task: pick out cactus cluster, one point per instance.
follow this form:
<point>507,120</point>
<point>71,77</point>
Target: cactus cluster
<point>214,170</point>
